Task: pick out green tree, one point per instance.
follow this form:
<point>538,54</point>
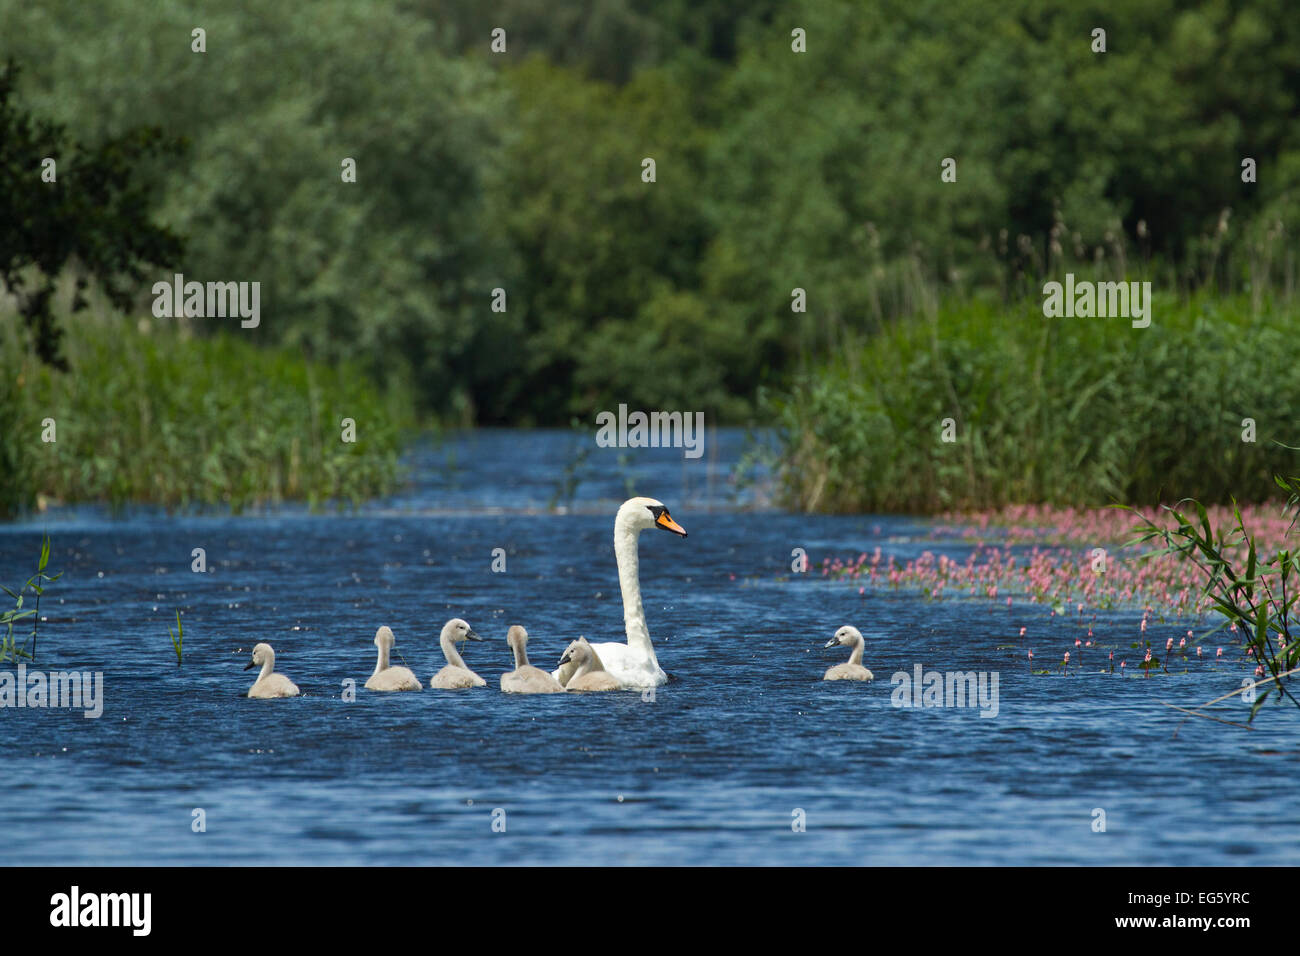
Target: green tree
<point>91,209</point>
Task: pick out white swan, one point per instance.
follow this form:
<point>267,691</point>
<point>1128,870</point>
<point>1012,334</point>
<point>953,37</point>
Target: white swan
<point>633,664</point>
<point>388,677</point>
<point>853,670</point>
<point>269,684</point>
<point>456,675</point>
<point>590,675</point>
<point>525,678</point>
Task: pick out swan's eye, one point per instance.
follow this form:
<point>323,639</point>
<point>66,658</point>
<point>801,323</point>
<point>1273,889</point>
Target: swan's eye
<point>655,510</point>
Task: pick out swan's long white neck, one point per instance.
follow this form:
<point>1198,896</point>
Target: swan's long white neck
<point>629,582</point>
<point>449,651</point>
<point>268,666</point>
<point>382,663</point>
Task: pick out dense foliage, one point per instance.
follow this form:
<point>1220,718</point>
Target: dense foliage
<point>775,170</point>
<point>1064,411</point>
<point>151,414</point>
<point>64,202</point>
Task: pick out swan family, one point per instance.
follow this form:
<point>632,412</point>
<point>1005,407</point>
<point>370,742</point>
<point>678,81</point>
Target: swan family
<point>584,667</point>
<point>632,664</point>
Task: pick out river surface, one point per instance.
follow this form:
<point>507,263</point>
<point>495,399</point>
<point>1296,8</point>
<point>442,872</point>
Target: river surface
<point>744,757</point>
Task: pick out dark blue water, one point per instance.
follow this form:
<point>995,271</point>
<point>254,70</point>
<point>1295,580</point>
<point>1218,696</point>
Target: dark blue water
<point>713,770</point>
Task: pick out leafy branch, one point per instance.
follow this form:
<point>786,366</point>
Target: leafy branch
<point>1259,597</point>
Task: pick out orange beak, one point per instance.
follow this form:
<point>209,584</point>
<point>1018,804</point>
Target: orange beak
<point>665,521</point>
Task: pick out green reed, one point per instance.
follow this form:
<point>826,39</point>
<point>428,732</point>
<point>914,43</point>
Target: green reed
<point>34,586</point>
<point>155,415</point>
<point>1083,411</point>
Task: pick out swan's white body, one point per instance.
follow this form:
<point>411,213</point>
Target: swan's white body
<point>590,675</point>
<point>632,664</point>
<point>456,676</point>
<point>525,678</point>
<point>268,683</point>
<point>387,677</point>
<point>853,670</point>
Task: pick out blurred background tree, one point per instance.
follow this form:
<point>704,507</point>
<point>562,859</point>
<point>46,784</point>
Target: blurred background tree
<point>776,170</point>
<point>68,205</point>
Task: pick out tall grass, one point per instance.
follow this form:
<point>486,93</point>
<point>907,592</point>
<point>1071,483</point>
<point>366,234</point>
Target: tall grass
<point>151,414</point>
<point>10,649</point>
<point>1062,411</point>
<point>1250,594</point>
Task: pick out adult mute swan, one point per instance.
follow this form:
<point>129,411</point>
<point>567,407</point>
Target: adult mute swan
<point>456,675</point>
<point>853,670</point>
<point>269,684</point>
<point>633,664</point>
<point>388,677</point>
<point>590,675</point>
<point>525,678</point>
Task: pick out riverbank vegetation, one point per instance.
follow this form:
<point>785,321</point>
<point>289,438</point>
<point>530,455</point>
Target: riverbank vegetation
<point>150,414</point>
<point>984,406</point>
<point>502,258</point>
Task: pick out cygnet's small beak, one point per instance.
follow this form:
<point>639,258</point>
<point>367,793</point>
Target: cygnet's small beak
<point>472,636</point>
<point>250,665</point>
<point>565,659</point>
<point>833,642</point>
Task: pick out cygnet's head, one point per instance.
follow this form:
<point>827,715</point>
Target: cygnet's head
<point>516,637</point>
<point>577,652</point>
<point>846,635</point>
<point>384,637</point>
<point>638,514</point>
<point>261,654</point>
<point>457,630</point>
